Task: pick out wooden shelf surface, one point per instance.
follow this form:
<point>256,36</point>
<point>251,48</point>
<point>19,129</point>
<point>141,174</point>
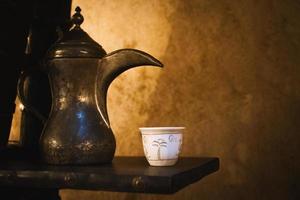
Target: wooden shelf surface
<point>124,174</point>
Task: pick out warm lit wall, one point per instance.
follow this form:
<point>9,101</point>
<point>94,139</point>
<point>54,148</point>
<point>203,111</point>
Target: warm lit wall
<point>231,76</point>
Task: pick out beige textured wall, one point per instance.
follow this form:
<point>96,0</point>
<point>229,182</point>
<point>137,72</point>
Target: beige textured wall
<point>231,76</point>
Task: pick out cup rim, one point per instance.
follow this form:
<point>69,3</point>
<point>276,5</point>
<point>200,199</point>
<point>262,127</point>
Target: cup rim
<point>163,129</point>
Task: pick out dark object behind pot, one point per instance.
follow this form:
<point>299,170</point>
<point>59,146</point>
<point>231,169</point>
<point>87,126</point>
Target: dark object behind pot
<point>15,21</point>
<point>35,86</point>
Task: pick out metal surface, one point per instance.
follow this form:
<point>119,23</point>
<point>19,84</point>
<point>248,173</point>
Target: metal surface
<point>78,130</point>
<point>76,43</point>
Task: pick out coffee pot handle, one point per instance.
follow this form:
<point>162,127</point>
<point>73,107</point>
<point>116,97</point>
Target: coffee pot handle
<point>22,98</point>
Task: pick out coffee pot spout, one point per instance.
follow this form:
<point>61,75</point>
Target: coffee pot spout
<point>111,66</point>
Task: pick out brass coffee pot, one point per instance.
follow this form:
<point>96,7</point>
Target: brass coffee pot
<point>78,130</point>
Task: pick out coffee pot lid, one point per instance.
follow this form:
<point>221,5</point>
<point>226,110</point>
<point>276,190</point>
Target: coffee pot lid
<point>76,43</point>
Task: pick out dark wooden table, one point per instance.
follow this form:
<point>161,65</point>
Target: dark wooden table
<point>23,175</point>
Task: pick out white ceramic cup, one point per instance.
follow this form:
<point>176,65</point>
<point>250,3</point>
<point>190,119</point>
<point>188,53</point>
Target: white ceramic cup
<point>162,145</point>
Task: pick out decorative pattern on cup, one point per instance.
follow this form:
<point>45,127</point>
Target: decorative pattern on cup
<point>159,143</point>
<point>162,148</point>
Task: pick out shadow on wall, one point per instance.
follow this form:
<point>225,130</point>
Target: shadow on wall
<point>231,77</point>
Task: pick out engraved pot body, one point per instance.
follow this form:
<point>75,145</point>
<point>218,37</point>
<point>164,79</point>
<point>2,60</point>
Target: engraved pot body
<point>75,132</point>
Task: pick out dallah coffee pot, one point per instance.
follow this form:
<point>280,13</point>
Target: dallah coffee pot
<point>78,130</point>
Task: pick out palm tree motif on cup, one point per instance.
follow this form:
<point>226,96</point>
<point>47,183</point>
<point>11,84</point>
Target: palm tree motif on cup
<point>159,144</point>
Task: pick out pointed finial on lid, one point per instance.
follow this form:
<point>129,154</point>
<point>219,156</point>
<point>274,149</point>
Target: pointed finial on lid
<point>75,43</point>
<point>77,18</point>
